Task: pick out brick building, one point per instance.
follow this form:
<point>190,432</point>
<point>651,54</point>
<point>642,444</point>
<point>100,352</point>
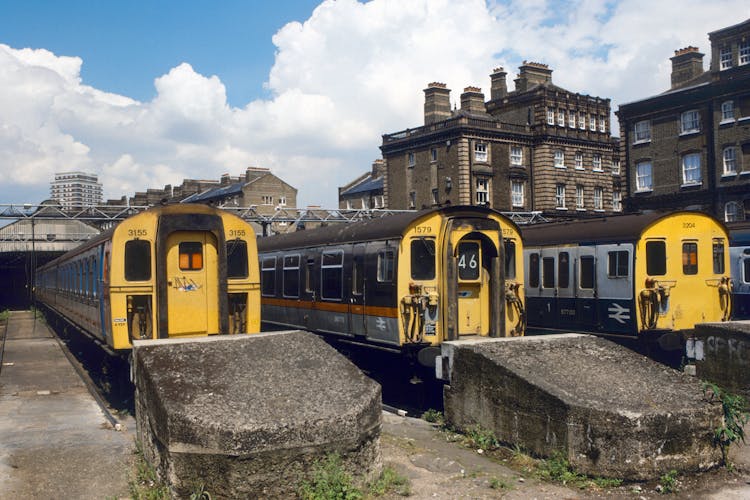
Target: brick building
<point>536,148</point>
<point>689,147</point>
<point>366,191</point>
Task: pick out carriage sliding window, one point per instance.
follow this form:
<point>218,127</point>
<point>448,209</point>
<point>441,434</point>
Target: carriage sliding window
<point>618,264</point>
<point>423,259</point>
<point>718,251</point>
<point>563,270</point>
<point>237,259</point>
<point>268,276</point>
<point>586,278</point>
<point>385,265</point>
<point>690,257</point>
<point>332,275</point>
<point>548,272</point>
<point>656,258</point>
<point>534,270</point>
<point>137,260</point>
<point>291,276</point>
<point>510,260</point>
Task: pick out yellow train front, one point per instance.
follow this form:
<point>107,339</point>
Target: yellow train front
<point>405,282</point>
<point>630,275</point>
<point>172,271</point>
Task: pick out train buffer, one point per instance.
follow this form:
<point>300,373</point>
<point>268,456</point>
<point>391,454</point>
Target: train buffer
<point>610,411</point>
<point>55,441</point>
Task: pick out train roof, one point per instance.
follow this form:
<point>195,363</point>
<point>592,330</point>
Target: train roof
<point>616,228</point>
<point>391,226</point>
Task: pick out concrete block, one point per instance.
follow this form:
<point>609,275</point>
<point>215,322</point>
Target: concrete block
<point>610,411</point>
<point>245,416</point>
<point>721,353</point>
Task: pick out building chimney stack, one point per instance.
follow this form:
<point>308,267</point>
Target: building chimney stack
<point>437,103</point>
<point>687,64</point>
<point>499,87</point>
<point>472,100</point>
<point>532,73</point>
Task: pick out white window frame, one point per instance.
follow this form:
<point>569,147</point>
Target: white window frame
<point>517,195</point>
<point>725,58</point>
<point>596,162</point>
<point>690,122</point>
<point>480,152</point>
<point>559,158</point>
<point>733,212</point>
<point>616,201</point>
<point>266,200</point>
<point>642,132</point>
<point>598,198</point>
<point>560,197</point>
<point>592,123</point>
<point>580,204</point>
<point>560,117</point>
<point>616,167</point>
<point>411,159</point>
<point>729,156</point>
<point>644,180</point>
<point>433,155</point>
<point>516,155</point>
<point>282,201</point>
<point>482,191</point>
<point>691,169</point>
<point>412,199</point>
<point>550,116</point>
<point>582,120</point>
<point>579,161</point>
<point>349,204</point>
<point>602,124</point>
<point>572,119</point>
<point>727,111</point>
<point>744,50</point>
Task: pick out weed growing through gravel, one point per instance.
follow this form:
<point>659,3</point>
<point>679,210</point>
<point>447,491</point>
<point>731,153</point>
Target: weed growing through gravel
<point>330,481</point>
<point>144,482</point>
<point>434,417</point>
<point>735,417</point>
<point>668,482</point>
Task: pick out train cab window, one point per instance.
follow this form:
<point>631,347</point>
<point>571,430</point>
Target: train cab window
<point>548,272</point>
<point>586,278</point>
<point>534,270</point>
<point>468,260</point>
<point>332,275</point>
<point>423,259</point>
<point>690,257</point>
<point>510,259</point>
<point>563,270</point>
<point>191,256</point>
<point>618,264</point>
<point>385,265</point>
<point>656,258</point>
<point>237,259</point>
<point>290,276</point>
<point>137,260</point>
<point>718,251</point>
<point>268,276</point>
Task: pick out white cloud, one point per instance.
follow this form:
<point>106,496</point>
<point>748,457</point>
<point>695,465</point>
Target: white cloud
<point>350,73</point>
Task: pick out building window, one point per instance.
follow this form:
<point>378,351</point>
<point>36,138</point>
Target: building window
<point>730,160</point>
<point>744,52</point>
<point>579,197</point>
<point>643,180</point>
<point>642,132</point>
<point>597,162</point>
<point>433,155</point>
<point>559,158</point>
<point>615,167</point>
<point>727,111</point>
<point>582,120</point>
<point>482,191</point>
<point>480,152</point>
<point>435,196</point>
<point>733,212</point>
<point>579,161</point>
<point>365,203</point>
<point>602,124</point>
<point>725,58</point>
<point>572,119</point>
<point>560,196</point>
<point>516,193</point>
<point>561,117</point>
<point>550,116</point>
<point>592,123</point>
<point>412,160</point>
<point>691,169</point>
<point>616,201</point>
<point>689,122</point>
<point>267,200</point>
<point>282,201</point>
<point>349,204</point>
<point>412,199</point>
<point>516,155</point>
<point>598,198</point>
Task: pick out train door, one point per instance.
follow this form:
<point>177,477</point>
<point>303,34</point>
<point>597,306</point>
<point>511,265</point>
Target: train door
<point>547,303</point>
<point>470,289</point>
<point>357,323</point>
<point>614,285</point>
<point>585,287</point>
<point>566,308</point>
<point>192,283</point>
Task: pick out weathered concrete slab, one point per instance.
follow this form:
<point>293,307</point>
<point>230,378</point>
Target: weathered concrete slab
<point>612,412</point>
<point>246,416</point>
<point>721,354</point>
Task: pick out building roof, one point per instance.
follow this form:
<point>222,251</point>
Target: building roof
<point>369,184</point>
<point>215,193</point>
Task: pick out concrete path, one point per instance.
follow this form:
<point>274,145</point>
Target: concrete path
<point>55,442</point>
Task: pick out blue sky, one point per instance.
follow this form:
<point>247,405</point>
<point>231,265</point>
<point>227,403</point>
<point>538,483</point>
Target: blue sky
<point>148,93</point>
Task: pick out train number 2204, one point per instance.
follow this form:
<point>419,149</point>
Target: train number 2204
<point>688,225</point>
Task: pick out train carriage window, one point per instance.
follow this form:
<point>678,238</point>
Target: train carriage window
<point>468,260</point>
<point>718,251</point>
<point>618,264</point>
<point>358,276</point>
<point>290,276</point>
<point>510,259</point>
<point>563,271</point>
<point>534,270</point>
<point>656,258</point>
<point>548,272</point>
<point>586,279</point>
<point>385,266</point>
<point>690,257</point>
<point>309,275</point>
<point>137,260</point>
<point>423,259</point>
<point>746,270</point>
<point>191,256</point>
<point>94,276</point>
<point>332,275</point>
<point>237,259</point>
<point>268,276</point>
